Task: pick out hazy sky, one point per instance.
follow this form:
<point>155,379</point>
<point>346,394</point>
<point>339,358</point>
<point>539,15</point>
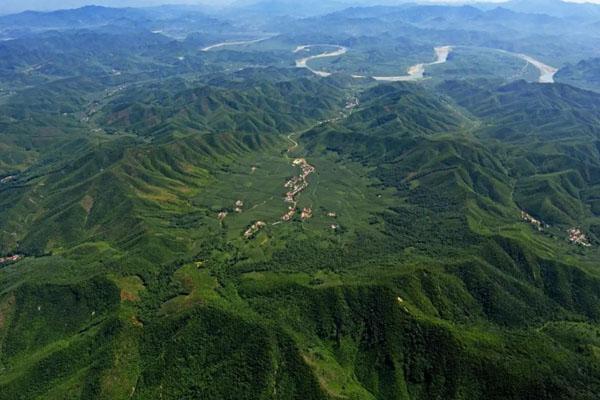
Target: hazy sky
<point>9,6</point>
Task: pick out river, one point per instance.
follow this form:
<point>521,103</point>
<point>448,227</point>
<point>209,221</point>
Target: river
<point>303,62</point>
<point>415,72</point>
<point>546,72</point>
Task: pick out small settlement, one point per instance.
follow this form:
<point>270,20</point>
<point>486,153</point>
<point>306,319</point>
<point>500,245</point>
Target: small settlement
<point>306,213</point>
<point>352,103</point>
<point>528,218</point>
<point>253,230</point>
<point>8,179</point>
<point>238,208</point>
<point>576,236</point>
<point>10,259</point>
<point>295,186</point>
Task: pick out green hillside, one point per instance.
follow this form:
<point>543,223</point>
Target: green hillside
<point>277,107</point>
<point>427,283</point>
<point>584,74</point>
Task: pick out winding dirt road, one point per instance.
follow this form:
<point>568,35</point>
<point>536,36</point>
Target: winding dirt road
<point>237,43</point>
<point>293,142</point>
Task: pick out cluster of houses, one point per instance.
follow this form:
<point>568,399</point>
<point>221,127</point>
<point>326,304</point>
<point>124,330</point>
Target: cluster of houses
<point>8,179</point>
<point>352,103</point>
<point>9,259</point>
<point>238,208</point>
<point>307,213</point>
<point>289,214</point>
<point>332,214</point>
<point>253,230</point>
<point>295,186</point>
<point>576,236</point>
<point>537,223</point>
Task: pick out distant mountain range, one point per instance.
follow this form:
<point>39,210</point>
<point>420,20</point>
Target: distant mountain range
<point>15,6</point>
<point>310,7</point>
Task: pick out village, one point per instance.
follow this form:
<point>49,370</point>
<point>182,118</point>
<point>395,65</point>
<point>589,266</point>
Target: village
<point>253,230</point>
<point>535,222</point>
<point>238,208</point>
<point>295,186</point>
<point>10,259</point>
<point>576,236</point>
<point>8,179</point>
<point>352,103</point>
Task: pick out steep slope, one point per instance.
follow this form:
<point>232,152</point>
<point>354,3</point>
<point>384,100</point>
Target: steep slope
<point>277,107</point>
<point>585,74</point>
<point>552,137</point>
<point>521,109</point>
<point>403,109</point>
<point>108,194</point>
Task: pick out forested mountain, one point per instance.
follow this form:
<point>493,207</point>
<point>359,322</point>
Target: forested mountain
<point>387,202</point>
<point>584,74</point>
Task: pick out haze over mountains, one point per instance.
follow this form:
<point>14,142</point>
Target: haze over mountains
<point>278,200</point>
<point>13,6</point>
